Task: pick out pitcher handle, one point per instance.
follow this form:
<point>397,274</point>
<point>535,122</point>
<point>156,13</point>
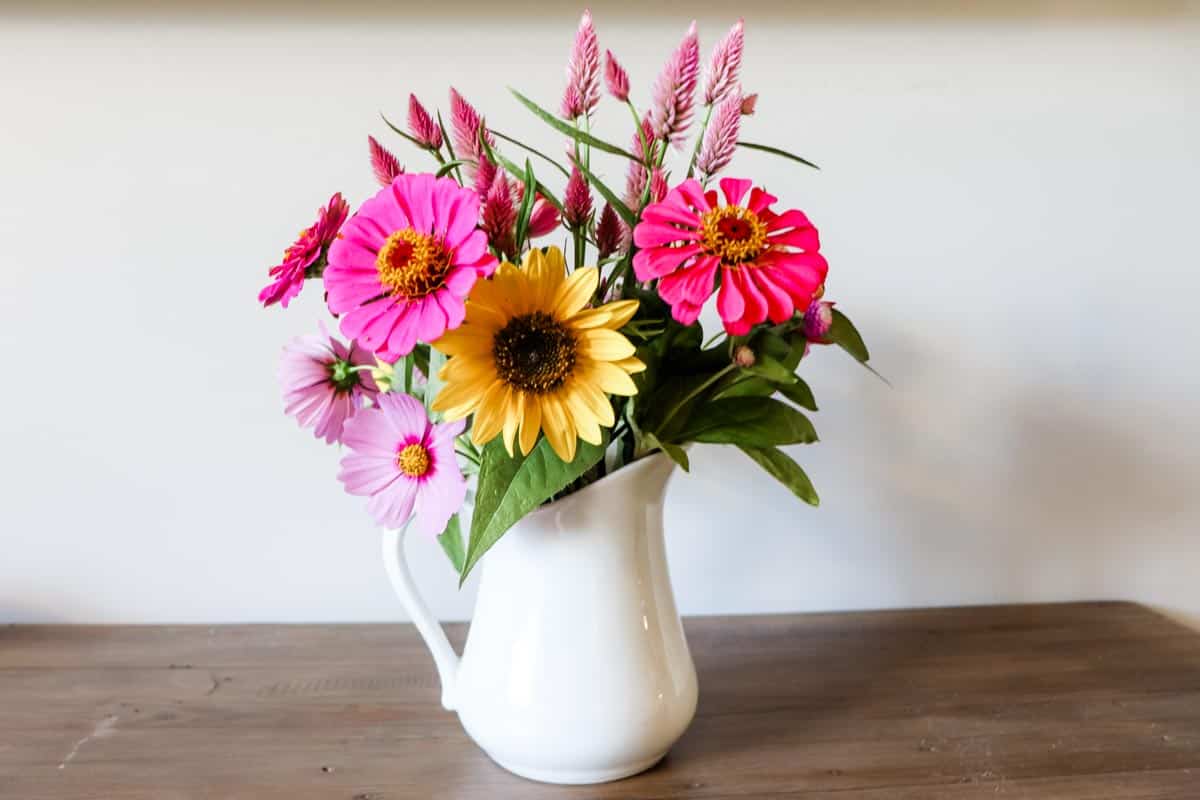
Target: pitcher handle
<point>427,625</point>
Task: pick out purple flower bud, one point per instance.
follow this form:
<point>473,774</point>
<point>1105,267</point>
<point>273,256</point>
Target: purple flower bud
<point>818,319</point>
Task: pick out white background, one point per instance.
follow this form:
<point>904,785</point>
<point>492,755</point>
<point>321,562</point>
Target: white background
<point>1008,200</point>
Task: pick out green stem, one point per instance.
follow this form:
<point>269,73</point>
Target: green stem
<point>408,374</point>
<point>708,110</point>
<point>713,379</point>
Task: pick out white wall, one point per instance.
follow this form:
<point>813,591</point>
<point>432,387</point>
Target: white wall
<point>1008,201</point>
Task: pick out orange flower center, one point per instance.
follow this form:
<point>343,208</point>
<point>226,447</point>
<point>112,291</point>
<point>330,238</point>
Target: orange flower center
<point>733,234</point>
<point>413,460</point>
<point>412,264</point>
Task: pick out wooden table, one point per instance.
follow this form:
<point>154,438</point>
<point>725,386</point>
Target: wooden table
<point>1093,700</point>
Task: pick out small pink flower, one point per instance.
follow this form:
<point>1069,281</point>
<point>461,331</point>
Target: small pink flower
<point>720,140</point>
<point>769,263</point>
<point>675,90</point>
<point>572,103</point>
<point>608,232</point>
<point>321,387</point>
<point>725,64</point>
<point>615,77</point>
<point>383,163</point>
<point>577,200</point>
<point>421,125</point>
<point>405,464</point>
<point>818,319</point>
<point>403,265</point>
<point>307,251</point>
<point>583,68</point>
<point>544,218</point>
<point>749,103</point>
<point>466,126</point>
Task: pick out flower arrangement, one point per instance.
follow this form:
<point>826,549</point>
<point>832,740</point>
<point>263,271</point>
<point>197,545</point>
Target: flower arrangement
<point>475,351</point>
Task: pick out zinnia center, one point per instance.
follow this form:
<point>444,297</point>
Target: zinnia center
<point>413,460</point>
<point>534,353</point>
<point>412,264</point>
<point>734,234</point>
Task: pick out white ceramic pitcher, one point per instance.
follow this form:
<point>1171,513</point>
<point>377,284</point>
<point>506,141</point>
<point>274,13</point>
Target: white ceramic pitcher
<point>575,669</point>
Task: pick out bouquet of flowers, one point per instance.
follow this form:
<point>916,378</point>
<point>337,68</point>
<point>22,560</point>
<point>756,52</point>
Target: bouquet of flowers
<point>476,349</point>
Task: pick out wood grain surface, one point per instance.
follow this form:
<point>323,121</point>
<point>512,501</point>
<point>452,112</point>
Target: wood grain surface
<point>1092,700</point>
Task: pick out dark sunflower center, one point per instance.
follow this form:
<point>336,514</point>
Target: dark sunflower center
<point>534,353</point>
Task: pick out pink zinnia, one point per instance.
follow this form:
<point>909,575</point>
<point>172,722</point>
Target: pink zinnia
<point>321,387</point>
<point>770,264</point>
<point>405,262</point>
<point>405,464</point>
<point>305,252</point>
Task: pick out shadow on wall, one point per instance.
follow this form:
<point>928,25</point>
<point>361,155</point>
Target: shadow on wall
<point>1071,489</point>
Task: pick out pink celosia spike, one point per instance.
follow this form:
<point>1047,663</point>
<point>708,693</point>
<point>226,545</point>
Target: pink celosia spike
<point>465,125</point>
<point>500,215</point>
<point>572,104</point>
<point>383,163</point>
<point>749,102</point>
<point>421,125</point>
<point>725,64</point>
<point>577,200</point>
<point>608,232</point>
<point>635,178</point>
<point>485,176</point>
<point>720,140</point>
<point>675,90</point>
<point>658,186</point>
<point>615,77</point>
<point>583,67</point>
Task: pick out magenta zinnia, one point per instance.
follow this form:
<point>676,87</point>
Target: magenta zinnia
<point>321,386</point>
<point>305,252</point>
<point>405,464</point>
<point>769,263</point>
<point>405,262</point>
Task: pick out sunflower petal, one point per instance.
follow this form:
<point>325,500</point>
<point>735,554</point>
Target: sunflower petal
<point>454,397</point>
<point>558,428</point>
<point>531,421</point>
<point>603,344</point>
<point>581,415</point>
<point>592,318</point>
<point>597,402</point>
<point>575,292</point>
<point>612,379</point>
<point>513,412</point>
<point>630,365</point>
<point>622,311</point>
<point>489,416</point>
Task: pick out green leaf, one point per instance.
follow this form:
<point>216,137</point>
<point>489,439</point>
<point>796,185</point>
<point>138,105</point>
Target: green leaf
<point>512,486</point>
<point>452,543</point>
<point>780,466</point>
<point>526,209</point>
<point>618,206</point>
<point>570,130</point>
<point>766,148</point>
<point>513,169</point>
<point>843,333</point>
<point>535,151</point>
<point>433,383</point>
<point>396,130</point>
<point>673,451</point>
<point>446,168</point>
<point>800,394</point>
<point>772,370</point>
<point>749,421</point>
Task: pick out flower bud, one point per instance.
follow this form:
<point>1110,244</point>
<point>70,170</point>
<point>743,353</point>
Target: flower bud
<point>743,356</point>
<point>818,319</point>
<point>748,104</point>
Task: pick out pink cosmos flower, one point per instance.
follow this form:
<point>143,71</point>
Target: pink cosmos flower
<point>321,388</point>
<point>404,264</point>
<point>305,252</point>
<point>769,263</point>
<point>405,464</point>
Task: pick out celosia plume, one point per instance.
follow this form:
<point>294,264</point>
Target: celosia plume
<point>421,125</point>
<point>383,163</point>
<point>572,104</point>
<point>635,178</point>
<point>615,77</point>
<point>577,200</point>
<point>675,90</point>
<point>749,102</point>
<point>725,64</point>
<point>583,67</point>
<point>608,232</point>
<point>500,215</point>
<point>720,140</point>
<point>658,186</point>
<point>465,126</point>
<point>485,176</point>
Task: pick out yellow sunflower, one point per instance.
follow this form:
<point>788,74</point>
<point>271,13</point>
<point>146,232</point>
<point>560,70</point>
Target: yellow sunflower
<point>530,356</point>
